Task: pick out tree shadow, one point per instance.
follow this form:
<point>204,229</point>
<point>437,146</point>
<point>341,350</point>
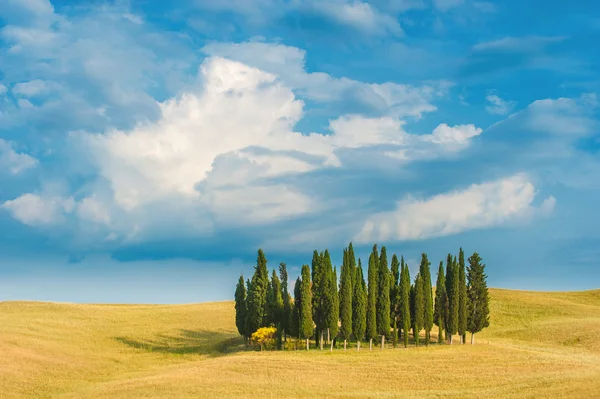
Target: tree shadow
<point>211,343</point>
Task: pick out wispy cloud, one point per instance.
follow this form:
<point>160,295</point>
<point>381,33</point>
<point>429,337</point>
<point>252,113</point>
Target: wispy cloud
<point>498,106</point>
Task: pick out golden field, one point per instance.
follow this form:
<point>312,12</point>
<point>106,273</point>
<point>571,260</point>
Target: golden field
<point>538,345</point>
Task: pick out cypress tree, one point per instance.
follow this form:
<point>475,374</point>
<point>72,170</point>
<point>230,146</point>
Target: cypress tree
<point>295,310</point>
<point>440,302</point>
<point>306,322</point>
<point>332,306</point>
<point>257,296</point>
<point>359,306</point>
<point>418,307</point>
<point>346,299</point>
<point>285,295</point>
<point>372,297</point>
<point>318,282</point>
<point>478,303</point>
<point>404,301</point>
<point>452,288</point>
<point>328,295</point>
<point>276,306</point>
<point>425,272</point>
<point>462,298</point>
<point>383,299</point>
<point>248,290</point>
<point>394,293</point>
<point>240,307</point>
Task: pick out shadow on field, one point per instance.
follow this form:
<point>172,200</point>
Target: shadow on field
<point>210,343</point>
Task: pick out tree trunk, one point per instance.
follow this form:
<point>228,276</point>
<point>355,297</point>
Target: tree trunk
<point>331,348</point>
<point>440,334</point>
<point>472,338</point>
<point>382,341</point>
<point>371,344</point>
<point>358,345</point>
<point>306,343</point>
<point>450,339</point>
<point>464,338</point>
<point>427,337</point>
<point>321,341</point>
<point>344,344</point>
<point>328,337</point>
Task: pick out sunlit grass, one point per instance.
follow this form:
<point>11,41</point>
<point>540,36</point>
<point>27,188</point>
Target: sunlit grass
<point>539,345</point>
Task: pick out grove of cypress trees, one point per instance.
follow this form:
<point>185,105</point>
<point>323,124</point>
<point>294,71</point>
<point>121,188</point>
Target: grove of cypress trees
<point>257,296</point>
<point>418,307</point>
<point>285,295</point>
<point>452,292</point>
<point>240,308</point>
<point>373,277</point>
<point>478,316</point>
<point>332,306</point>
<point>462,297</point>
<point>275,302</point>
<point>440,302</point>
<point>346,299</point>
<point>359,306</point>
<point>306,321</point>
<point>427,296</point>
<point>383,299</point>
<point>394,296</point>
<point>404,301</point>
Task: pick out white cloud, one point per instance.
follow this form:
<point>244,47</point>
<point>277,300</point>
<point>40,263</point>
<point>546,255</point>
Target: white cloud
<point>360,15</point>
<point>93,210</point>
<point>13,161</point>
<point>3,89</point>
<point>563,116</point>
<point>445,5</point>
<point>35,210</point>
<point>32,88</point>
<point>498,106</point>
<point>518,44</point>
<point>479,206</point>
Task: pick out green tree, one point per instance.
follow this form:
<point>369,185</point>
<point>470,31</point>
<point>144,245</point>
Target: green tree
<point>418,308</point>
<point>275,306</point>
<point>359,306</point>
<point>306,322</point>
<point>328,296</point>
<point>404,301</point>
<point>478,303</point>
<point>425,272</point>
<point>462,298</point>
<point>295,310</point>
<point>257,296</point>
<point>383,297</point>
<point>318,284</point>
<point>332,305</point>
<point>373,277</point>
<point>287,304</point>
<point>394,296</point>
<point>346,299</point>
<point>440,302</point>
<point>240,308</point>
<point>452,292</point>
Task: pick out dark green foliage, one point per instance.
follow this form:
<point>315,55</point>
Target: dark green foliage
<point>440,302</point>
<point>332,304</point>
<point>425,272</point>
<point>305,305</point>
<point>359,305</point>
<point>404,301</point>
<point>318,285</point>
<point>418,307</point>
<point>346,297</point>
<point>373,277</point>
<point>383,298</point>
<point>275,302</point>
<point>240,307</point>
<point>257,296</point>
<point>462,297</point>
<point>478,316</point>
<point>394,288</point>
<point>452,293</point>
<point>285,295</point>
<point>295,309</point>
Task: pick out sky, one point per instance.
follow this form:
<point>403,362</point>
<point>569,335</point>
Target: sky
<point>148,149</point>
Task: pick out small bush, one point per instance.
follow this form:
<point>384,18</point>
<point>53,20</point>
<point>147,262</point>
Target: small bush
<point>265,337</point>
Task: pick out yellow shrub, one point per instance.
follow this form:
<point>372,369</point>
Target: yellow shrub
<point>265,337</point>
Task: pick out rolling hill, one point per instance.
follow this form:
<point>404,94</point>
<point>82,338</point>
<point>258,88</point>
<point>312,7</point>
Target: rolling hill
<point>538,345</point>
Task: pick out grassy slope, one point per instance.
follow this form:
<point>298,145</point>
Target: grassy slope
<point>539,345</point>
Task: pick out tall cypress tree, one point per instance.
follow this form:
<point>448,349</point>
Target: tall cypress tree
<point>332,306</point>
<point>306,321</point>
<point>295,310</point>
<point>418,307</point>
<point>383,298</point>
<point>285,294</point>
<point>318,282</point>
<point>462,297</point>
<point>346,299</point>
<point>478,303</point>
<point>425,272</point>
<point>248,290</point>
<point>240,307</point>
<point>452,288</point>
<point>394,296</point>
<point>373,277</point>
<point>404,301</point>
<point>257,296</point>
<point>359,306</point>
<point>276,306</point>
<point>328,296</point>
<point>440,302</point>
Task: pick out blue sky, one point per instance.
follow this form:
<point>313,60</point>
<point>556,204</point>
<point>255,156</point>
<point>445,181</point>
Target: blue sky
<point>147,151</point>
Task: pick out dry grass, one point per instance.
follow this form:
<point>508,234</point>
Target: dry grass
<point>539,345</point>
